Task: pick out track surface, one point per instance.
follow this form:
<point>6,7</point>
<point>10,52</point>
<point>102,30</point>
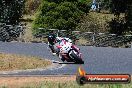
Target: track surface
<point>97,60</point>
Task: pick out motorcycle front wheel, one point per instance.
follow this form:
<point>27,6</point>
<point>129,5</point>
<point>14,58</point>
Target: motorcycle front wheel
<point>73,55</point>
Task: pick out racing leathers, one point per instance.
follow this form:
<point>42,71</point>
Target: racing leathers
<point>61,42</point>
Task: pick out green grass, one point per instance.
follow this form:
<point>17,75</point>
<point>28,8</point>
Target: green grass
<point>47,84</point>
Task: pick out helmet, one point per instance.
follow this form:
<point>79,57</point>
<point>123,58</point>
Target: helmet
<point>51,39</point>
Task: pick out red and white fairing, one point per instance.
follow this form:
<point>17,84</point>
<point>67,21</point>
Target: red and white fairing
<point>64,46</point>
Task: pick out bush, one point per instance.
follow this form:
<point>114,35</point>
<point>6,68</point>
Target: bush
<point>9,14</point>
<point>59,14</point>
<point>124,25</point>
<point>31,6</point>
<point>117,26</point>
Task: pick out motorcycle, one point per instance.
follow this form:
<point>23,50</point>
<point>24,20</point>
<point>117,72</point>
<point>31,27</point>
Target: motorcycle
<point>69,52</point>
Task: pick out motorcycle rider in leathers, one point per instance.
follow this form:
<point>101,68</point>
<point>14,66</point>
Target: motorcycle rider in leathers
<point>54,41</point>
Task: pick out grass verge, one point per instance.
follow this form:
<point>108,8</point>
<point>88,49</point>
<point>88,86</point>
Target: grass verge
<point>53,82</point>
<point>18,62</point>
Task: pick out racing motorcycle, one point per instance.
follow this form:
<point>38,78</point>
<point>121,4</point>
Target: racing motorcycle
<point>69,52</point>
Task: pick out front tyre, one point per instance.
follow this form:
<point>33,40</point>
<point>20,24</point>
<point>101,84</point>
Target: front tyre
<point>74,56</point>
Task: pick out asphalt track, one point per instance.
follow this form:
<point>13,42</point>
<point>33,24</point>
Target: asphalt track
<point>100,60</point>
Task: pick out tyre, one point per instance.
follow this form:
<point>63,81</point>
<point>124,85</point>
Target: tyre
<point>75,57</point>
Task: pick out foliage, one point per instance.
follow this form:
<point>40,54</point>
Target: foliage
<point>95,22</point>
<point>121,25</point>
<point>118,6</point>
<point>105,4</point>
<point>31,6</point>
<point>128,15</point>
<point>60,1</point>
<point>10,14</point>
<point>117,26</point>
<point>11,11</point>
<point>59,14</point>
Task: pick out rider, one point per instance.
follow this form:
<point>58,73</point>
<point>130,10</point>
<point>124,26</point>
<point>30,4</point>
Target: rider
<point>60,42</point>
<point>51,41</point>
<point>66,42</point>
<point>56,42</point>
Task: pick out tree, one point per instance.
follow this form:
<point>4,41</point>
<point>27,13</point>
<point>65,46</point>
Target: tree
<point>128,15</point>
<point>10,14</point>
<point>59,14</point>
<point>11,11</point>
<point>121,25</point>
